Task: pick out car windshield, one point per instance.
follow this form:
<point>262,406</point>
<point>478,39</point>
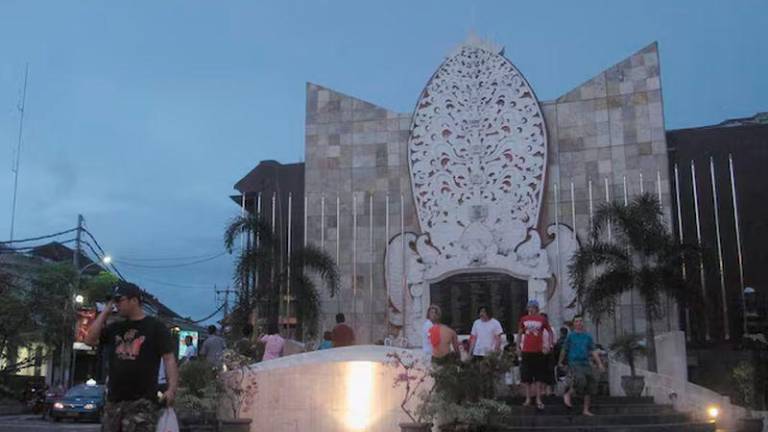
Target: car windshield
<point>85,391</point>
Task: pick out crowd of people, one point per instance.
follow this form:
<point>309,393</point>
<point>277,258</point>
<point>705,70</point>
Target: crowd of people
<point>541,361</point>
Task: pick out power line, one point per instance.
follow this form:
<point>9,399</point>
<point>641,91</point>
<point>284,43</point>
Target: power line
<point>129,258</point>
<point>103,254</point>
<point>40,237</point>
<point>172,284</point>
<point>200,261</point>
<point>25,249</point>
<point>209,316</point>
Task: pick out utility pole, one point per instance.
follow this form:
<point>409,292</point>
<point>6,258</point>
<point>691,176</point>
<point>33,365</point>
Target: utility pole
<point>18,150</point>
<point>226,292</point>
<point>70,378</point>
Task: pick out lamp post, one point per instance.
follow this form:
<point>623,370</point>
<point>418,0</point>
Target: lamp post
<point>76,301</point>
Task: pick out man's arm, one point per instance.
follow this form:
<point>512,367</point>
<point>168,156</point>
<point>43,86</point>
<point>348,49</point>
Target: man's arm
<point>472,338</point>
<point>497,337</point>
<point>455,342</point>
<point>172,375</point>
<point>94,332</point>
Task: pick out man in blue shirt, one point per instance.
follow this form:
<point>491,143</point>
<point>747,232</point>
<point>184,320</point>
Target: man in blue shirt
<point>578,348</point>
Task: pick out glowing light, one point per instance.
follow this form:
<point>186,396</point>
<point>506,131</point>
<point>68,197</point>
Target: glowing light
<point>79,299</point>
<point>359,395</point>
<point>91,382</point>
<point>107,259</point>
<point>713,411</point>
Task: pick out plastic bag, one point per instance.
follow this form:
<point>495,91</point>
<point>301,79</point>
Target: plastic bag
<point>167,421</point>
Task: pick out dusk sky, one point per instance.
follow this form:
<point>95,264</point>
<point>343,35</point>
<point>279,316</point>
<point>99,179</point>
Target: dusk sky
<point>142,115</point>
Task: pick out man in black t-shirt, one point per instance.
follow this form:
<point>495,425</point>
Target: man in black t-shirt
<point>136,346</point>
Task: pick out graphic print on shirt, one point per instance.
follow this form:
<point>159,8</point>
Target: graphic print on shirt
<point>128,346</point>
<point>534,329</point>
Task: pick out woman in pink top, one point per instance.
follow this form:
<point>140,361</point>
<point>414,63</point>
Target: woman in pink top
<point>273,343</point>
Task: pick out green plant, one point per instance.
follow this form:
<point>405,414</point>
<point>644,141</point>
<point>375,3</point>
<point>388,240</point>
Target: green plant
<point>412,373</point>
<point>631,249</point>
<point>744,379</point>
<point>262,262</point>
<point>628,348</point>
<point>197,377</point>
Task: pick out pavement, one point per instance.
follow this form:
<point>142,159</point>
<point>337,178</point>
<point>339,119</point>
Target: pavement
<point>34,423</point>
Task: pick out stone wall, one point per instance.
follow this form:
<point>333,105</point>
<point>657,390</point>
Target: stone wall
<point>609,131</point>
<point>355,151</point>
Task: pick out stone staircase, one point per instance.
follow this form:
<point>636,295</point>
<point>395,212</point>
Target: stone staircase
<point>614,414</point>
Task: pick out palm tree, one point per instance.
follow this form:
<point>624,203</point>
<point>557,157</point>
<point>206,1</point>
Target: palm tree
<point>263,274</point>
<point>642,256</point>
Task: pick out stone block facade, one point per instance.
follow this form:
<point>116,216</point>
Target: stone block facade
<point>606,141</point>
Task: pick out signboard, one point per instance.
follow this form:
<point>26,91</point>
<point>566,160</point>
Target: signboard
<point>182,346</point>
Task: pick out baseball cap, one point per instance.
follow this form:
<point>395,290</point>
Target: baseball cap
<point>126,289</point>
<point>533,303</point>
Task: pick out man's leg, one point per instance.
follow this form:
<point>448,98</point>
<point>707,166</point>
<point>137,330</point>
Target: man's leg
<point>110,420</point>
<point>586,410</point>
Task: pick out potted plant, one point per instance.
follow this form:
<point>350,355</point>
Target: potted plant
<point>196,401</point>
<point>744,380</point>
<point>412,374</point>
<point>628,348</point>
<point>237,389</point>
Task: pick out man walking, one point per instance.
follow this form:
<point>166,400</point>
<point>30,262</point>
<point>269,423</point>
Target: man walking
<point>485,336</point>
<point>137,344</point>
<point>533,333</point>
<point>578,348</point>
<point>213,347</point>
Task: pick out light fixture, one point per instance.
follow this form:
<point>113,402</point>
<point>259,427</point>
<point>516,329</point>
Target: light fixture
<point>713,411</point>
<point>107,259</point>
<point>89,406</point>
<point>58,406</point>
<point>79,299</point>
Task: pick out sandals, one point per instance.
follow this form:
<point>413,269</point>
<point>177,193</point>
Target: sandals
<point>540,406</point>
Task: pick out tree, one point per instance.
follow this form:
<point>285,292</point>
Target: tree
<point>642,255</point>
<point>35,312</point>
<point>96,288</point>
<point>263,275</point>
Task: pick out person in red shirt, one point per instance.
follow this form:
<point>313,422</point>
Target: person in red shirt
<point>535,337</point>
<point>342,335</point>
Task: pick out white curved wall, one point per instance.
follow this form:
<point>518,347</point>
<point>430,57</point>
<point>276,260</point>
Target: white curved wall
<point>341,389</point>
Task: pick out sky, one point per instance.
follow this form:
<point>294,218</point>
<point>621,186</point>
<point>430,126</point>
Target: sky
<point>142,115</point>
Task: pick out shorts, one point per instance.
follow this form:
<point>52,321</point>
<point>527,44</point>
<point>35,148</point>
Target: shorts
<point>534,368</point>
<point>584,381</point>
<point>130,416</point>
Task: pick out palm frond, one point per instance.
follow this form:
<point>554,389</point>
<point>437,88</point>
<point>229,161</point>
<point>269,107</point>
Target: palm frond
<point>307,304</point>
<point>257,226</point>
<point>311,257</point>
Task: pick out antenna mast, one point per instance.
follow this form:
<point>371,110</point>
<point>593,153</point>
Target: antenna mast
<point>18,151</point>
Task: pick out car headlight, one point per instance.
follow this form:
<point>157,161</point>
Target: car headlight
<point>58,405</point>
<point>89,406</point>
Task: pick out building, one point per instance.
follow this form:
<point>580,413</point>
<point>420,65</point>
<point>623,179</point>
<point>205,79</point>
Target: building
<point>479,196</point>
<point>724,212</point>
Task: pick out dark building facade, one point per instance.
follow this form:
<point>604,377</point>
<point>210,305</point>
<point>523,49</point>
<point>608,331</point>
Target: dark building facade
<point>275,192</point>
<point>719,177</point>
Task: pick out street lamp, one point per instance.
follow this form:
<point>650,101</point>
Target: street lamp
<point>79,299</point>
<point>106,260</point>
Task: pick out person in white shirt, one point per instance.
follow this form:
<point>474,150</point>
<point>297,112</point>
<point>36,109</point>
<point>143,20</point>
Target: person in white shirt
<point>190,352</point>
<point>426,345</point>
<point>486,334</point>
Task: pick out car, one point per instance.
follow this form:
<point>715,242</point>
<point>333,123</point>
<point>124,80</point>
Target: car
<point>81,402</point>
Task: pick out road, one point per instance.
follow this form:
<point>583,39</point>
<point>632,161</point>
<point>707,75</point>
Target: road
<point>30,423</point>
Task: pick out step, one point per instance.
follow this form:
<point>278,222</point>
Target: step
<point>576,419</point>
<point>557,408</point>
<point>661,427</point>
<point>597,400</point>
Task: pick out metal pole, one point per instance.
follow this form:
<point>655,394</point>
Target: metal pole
<point>338,250</point>
<point>322,223</point>
<point>405,270</point>
<point>288,269</point>
<point>715,204</point>
<point>591,207</point>
<point>305,221</point>
<point>642,186</point>
<point>573,211</point>
<point>386,247</point>
<point>354,258</point>
<point>701,260</point>
<point>667,298</point>
<point>372,259</point>
<point>680,236</point>
<point>738,243</point>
